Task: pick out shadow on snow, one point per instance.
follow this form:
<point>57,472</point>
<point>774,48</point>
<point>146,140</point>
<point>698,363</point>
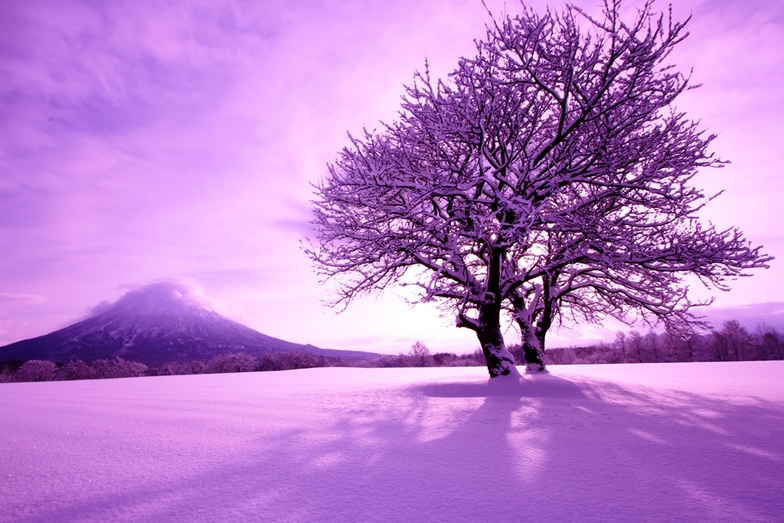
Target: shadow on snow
<point>560,449</point>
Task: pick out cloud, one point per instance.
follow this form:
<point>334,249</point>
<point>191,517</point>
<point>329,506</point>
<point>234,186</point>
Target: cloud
<point>184,290</point>
<point>749,315</point>
<point>21,299</point>
<point>161,291</point>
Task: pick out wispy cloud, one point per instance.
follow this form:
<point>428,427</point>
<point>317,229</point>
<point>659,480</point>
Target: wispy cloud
<point>9,298</point>
<point>750,315</point>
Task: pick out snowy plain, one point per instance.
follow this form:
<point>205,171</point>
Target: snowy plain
<point>647,442</point>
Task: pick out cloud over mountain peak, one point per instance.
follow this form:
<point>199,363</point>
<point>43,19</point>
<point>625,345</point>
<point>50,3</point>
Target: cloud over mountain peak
<point>158,297</point>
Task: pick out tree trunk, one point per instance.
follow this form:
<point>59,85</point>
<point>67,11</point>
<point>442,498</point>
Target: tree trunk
<point>487,327</point>
<point>533,347</point>
<point>534,360</point>
<point>537,364</point>
<point>500,361</point>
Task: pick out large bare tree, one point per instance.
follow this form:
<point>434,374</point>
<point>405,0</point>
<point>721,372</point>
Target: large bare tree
<point>550,174</point>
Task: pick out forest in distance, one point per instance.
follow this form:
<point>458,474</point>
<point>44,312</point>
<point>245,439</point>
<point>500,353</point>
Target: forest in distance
<point>732,342</point>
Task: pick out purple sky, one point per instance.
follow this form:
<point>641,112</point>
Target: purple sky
<point>148,141</point>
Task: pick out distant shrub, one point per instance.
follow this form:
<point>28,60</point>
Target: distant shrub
<point>118,368</point>
<point>271,361</point>
<point>518,353</point>
<point>77,370</point>
<point>181,367</point>
<point>6,375</point>
<point>231,362</point>
<point>391,361</point>
<point>36,370</point>
<point>291,360</point>
<point>444,359</point>
<point>303,360</point>
<point>441,359</point>
<point>129,369</point>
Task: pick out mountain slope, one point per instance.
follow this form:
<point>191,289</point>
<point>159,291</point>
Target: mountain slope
<point>157,324</point>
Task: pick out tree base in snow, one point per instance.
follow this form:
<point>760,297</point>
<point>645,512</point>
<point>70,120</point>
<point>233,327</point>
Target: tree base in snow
<point>535,368</point>
<point>506,369</point>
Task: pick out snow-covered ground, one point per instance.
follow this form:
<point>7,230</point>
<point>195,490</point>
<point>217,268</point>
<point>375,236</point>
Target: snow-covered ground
<point>660,442</point>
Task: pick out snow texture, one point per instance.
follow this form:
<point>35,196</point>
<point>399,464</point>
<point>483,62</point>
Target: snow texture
<point>643,442</point>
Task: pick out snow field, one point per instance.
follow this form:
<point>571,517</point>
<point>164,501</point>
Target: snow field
<point>657,442</point>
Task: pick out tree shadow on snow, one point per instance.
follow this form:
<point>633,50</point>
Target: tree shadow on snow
<point>546,448</point>
<point>542,386</point>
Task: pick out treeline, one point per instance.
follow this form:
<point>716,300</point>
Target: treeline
<point>420,356</point>
<point>732,342</point>
<point>41,370</point>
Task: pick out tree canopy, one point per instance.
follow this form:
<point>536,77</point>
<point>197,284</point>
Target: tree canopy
<point>548,177</point>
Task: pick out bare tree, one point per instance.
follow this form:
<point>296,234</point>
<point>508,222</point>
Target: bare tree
<point>420,354</point>
<point>732,342</point>
<point>620,343</point>
<point>653,344</point>
<point>770,341</point>
<point>548,178</point>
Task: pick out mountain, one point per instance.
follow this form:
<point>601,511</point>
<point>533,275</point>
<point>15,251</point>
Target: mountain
<point>155,325</point>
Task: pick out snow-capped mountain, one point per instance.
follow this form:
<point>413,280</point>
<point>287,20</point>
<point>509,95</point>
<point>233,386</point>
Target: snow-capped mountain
<point>157,324</point>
